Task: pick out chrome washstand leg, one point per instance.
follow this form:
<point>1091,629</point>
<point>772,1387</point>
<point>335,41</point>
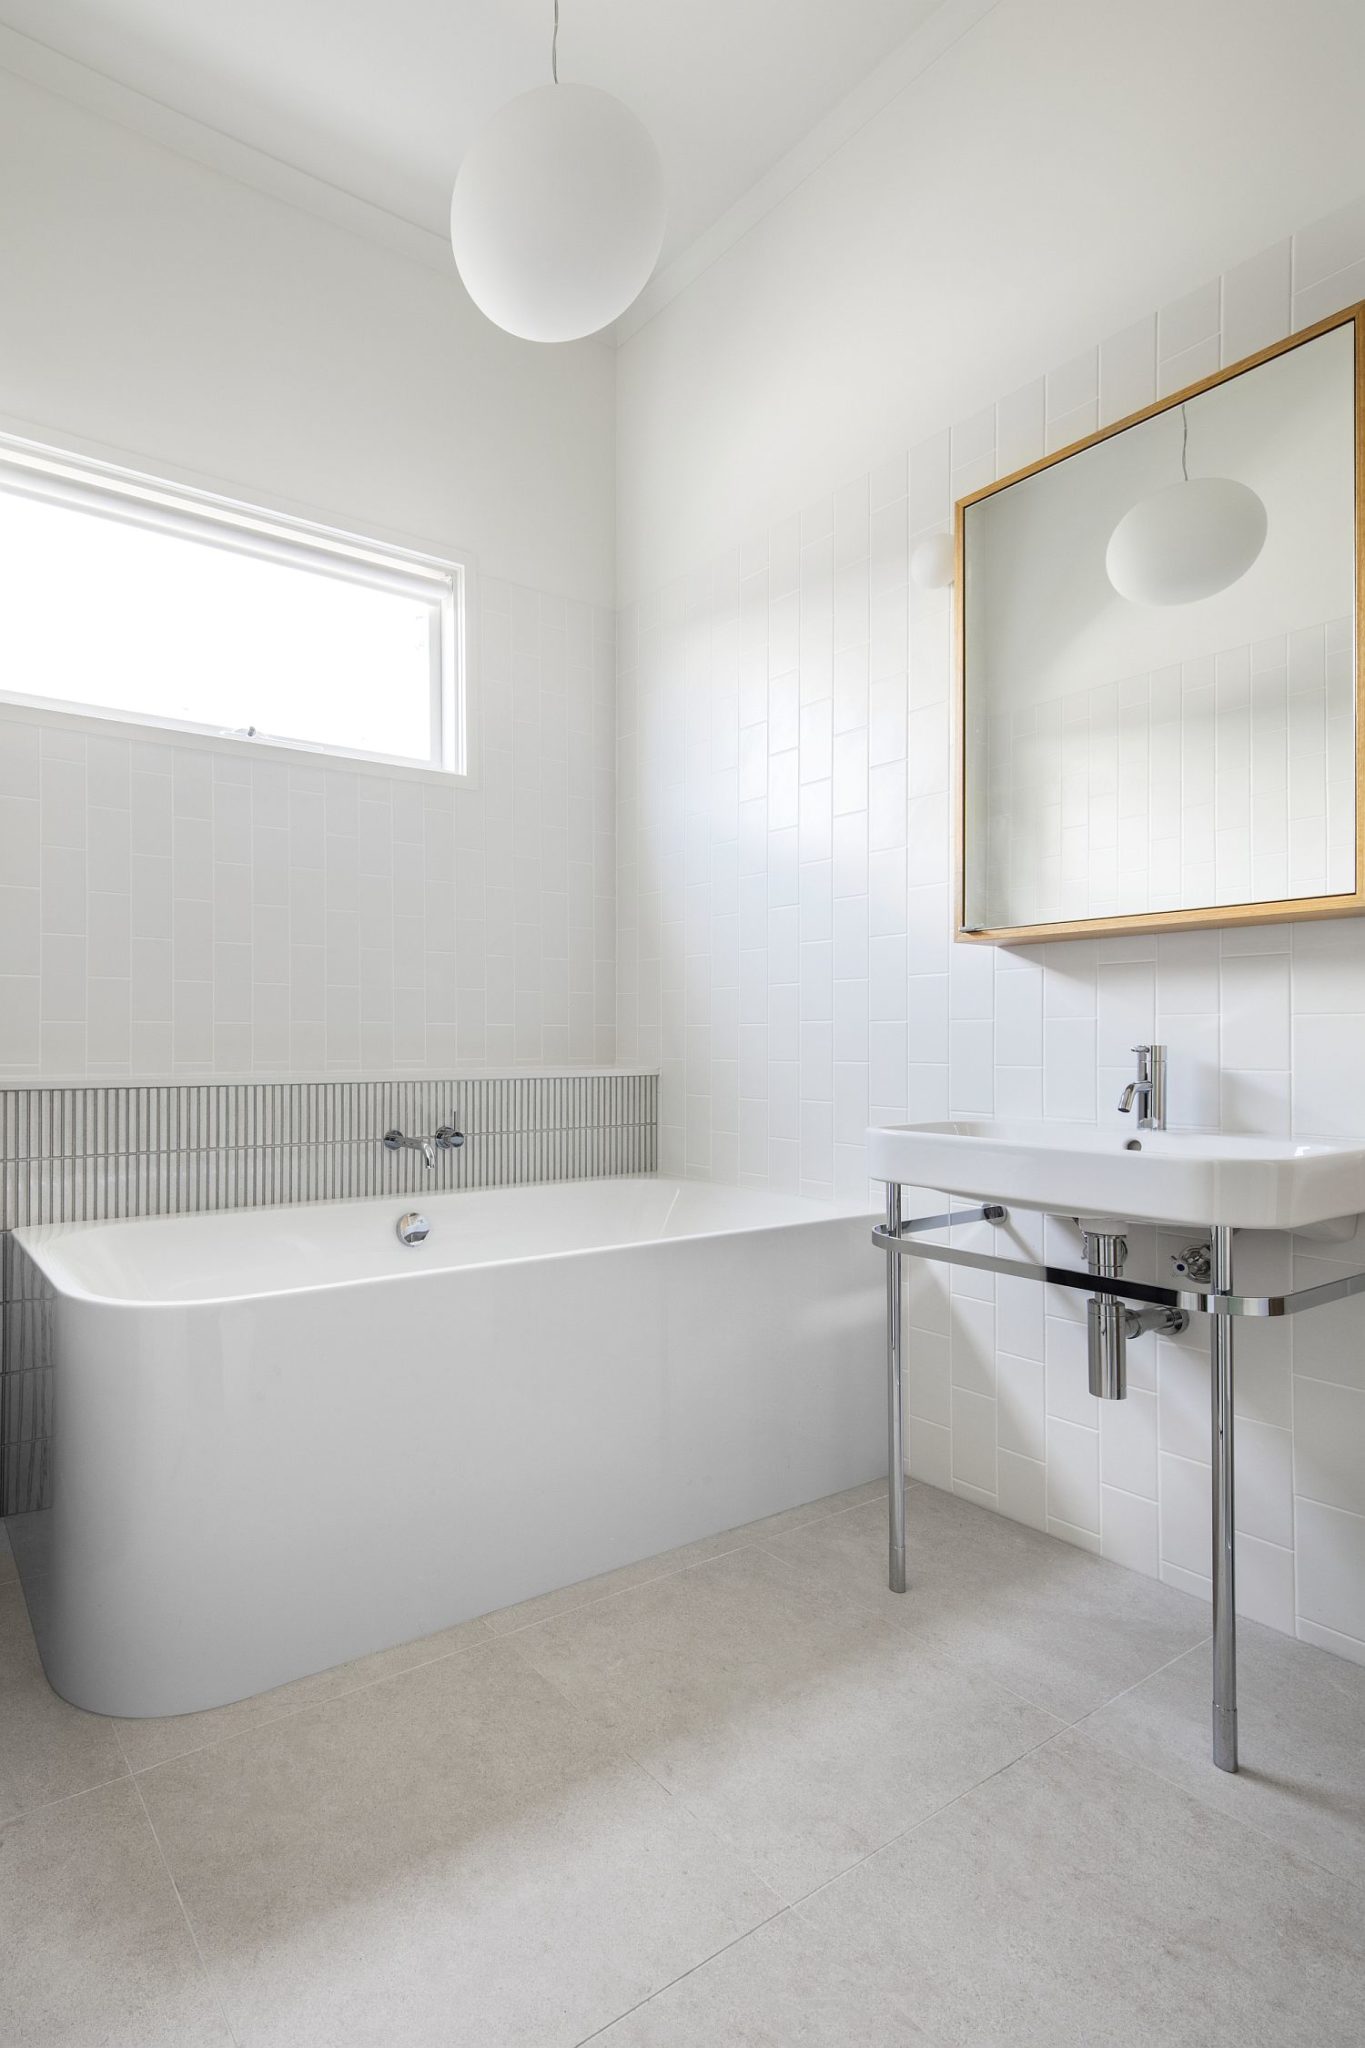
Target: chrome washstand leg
<point>1224,1564</point>
<point>895,1407</point>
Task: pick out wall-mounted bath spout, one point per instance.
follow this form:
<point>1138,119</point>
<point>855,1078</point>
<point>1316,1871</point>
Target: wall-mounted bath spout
<point>395,1142</point>
<point>1109,1322</point>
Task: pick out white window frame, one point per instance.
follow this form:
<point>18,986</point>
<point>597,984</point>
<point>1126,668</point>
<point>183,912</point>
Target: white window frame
<point>29,469</point>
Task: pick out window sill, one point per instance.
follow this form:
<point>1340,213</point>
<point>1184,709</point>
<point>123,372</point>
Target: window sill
<point>17,710</point>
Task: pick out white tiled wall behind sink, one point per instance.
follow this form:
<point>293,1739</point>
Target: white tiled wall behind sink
<point>785,955</point>
<point>175,911</point>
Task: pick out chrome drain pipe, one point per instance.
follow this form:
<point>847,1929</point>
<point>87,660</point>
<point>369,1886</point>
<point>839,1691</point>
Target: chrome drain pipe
<point>1106,1318</point>
<point>1109,1322</point>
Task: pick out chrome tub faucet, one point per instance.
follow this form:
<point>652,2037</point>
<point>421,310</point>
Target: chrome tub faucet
<point>1149,1089</point>
<point>448,1138</point>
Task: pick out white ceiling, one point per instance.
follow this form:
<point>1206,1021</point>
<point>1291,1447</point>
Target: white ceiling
<point>380,97</point>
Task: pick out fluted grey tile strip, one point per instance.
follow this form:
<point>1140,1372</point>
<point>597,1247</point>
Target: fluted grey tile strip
<point>78,1153</point>
<point>83,1154</point>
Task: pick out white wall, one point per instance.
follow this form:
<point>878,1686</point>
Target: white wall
<point>159,308</point>
<point>783,887</point>
<point>1063,168</point>
<point>164,310</point>
<point>172,911</point>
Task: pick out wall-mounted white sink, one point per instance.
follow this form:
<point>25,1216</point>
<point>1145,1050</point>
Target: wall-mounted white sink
<point>1151,1176</point>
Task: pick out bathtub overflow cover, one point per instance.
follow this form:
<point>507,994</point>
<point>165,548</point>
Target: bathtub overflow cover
<point>412,1228</point>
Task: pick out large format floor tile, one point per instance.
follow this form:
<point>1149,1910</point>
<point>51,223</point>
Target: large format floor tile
<point>1065,1629</point>
<point>808,1732</point>
<point>454,1854</point>
<point>738,1796</point>
<point>48,1750</point>
<point>96,1953</point>
<point>1301,1743</point>
<point>1078,1899</point>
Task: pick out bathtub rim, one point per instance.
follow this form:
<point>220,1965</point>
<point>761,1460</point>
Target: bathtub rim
<point>35,1240</point>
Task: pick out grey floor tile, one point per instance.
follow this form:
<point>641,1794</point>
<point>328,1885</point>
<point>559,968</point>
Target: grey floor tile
<point>1301,1738</point>
<point>453,1854</point>
<point>1065,1629</point>
<point>48,1750</point>
<point>155,1739</point>
<point>94,1950</point>
<point>806,1731</point>
<point>1076,1899</point>
<point>587,1814</point>
<point>781,1987</point>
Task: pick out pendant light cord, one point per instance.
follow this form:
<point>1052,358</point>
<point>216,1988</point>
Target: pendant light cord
<point>554,47</point>
<point>1184,412</point>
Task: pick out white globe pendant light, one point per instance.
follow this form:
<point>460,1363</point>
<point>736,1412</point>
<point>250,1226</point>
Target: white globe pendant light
<point>1187,542</point>
<point>558,214</point>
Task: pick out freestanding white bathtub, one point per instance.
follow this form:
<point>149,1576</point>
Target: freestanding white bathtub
<point>284,1439</point>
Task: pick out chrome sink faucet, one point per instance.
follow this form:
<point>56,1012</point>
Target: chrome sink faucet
<point>1149,1089</point>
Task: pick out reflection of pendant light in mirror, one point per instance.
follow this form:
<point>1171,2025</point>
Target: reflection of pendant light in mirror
<point>933,562</point>
<point>558,213</point>
<point>1189,541</point>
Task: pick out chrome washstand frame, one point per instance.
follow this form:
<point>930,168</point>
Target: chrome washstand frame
<point>900,1239</point>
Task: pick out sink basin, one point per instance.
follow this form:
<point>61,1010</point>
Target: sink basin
<point>1136,1176</point>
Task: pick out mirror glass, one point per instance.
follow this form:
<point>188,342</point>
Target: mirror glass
<point>1158,659</point>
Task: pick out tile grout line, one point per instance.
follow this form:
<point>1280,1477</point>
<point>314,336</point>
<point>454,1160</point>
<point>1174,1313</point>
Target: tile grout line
<point>672,1571</point>
<point>681,1978</point>
<point>914,1826</point>
<point>21,1813</point>
<point>1178,1785</point>
<point>208,1977</point>
<point>1252,1827</point>
<point>503,1635</point>
<point>966,1793</point>
<point>1137,1685</point>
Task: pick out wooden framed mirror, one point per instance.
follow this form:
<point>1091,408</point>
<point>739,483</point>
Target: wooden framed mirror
<point>1158,715</point>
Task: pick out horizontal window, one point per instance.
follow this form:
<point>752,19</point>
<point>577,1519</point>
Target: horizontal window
<point>129,599</point>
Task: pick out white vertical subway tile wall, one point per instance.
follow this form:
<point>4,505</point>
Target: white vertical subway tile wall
<point>785,956</point>
<point>170,909</point>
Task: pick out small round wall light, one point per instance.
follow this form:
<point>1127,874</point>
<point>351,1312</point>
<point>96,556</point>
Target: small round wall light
<point>933,562</point>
